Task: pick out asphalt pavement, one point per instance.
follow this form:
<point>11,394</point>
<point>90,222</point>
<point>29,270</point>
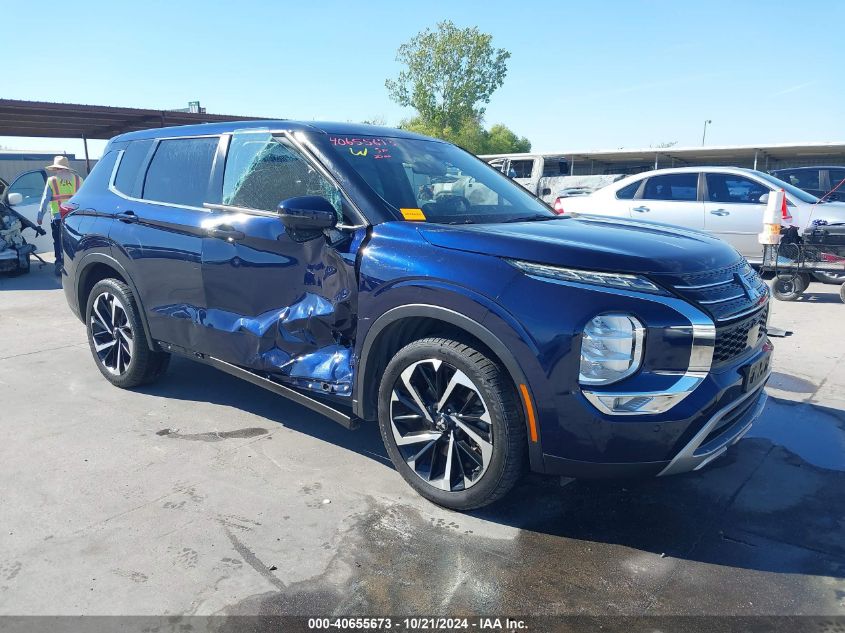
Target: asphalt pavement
<point>203,494</point>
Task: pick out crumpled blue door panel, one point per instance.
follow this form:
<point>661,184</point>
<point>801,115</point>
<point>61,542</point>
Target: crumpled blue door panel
<point>276,306</point>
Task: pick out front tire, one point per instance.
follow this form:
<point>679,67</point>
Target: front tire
<point>116,337</point>
<point>451,423</point>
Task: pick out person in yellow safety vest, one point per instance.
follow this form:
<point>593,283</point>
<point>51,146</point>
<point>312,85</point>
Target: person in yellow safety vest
<point>60,187</point>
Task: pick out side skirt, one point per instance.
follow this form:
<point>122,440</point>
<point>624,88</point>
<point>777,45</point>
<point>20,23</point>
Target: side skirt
<point>344,419</point>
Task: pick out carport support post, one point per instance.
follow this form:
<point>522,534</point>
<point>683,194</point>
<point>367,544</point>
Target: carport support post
<point>87,160</point>
<point>755,160</point>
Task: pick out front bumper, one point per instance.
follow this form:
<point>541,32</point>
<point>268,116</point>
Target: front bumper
<point>725,428</point>
<point>697,403</point>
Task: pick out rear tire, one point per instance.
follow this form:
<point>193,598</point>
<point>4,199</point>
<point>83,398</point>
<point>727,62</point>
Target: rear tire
<point>790,287</point>
<point>451,423</point>
<point>842,293</point>
<point>116,337</point>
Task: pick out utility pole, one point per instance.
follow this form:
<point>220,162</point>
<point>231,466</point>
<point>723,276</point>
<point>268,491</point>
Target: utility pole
<point>704,133</point>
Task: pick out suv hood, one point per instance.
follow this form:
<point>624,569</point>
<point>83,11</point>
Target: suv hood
<point>590,242</point>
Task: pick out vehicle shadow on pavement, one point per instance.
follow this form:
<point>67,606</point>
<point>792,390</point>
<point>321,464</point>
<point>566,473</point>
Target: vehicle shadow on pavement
<point>819,297</point>
<point>37,279</point>
<point>190,380</point>
<point>764,506</point>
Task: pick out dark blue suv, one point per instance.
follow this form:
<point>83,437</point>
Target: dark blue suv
<point>377,275</point>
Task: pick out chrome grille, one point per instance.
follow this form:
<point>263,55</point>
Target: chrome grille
<point>725,294</point>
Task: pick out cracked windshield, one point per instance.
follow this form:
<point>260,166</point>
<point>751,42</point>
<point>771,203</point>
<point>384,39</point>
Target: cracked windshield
<point>436,182</point>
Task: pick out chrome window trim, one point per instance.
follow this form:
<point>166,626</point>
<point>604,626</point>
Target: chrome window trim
<point>120,194</point>
<point>208,207</point>
<point>267,214</point>
<point>213,206</point>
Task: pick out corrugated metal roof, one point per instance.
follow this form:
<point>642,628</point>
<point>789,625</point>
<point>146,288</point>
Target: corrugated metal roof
<point>72,120</point>
<point>697,153</point>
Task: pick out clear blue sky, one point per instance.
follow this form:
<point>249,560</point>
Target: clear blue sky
<point>583,75</point>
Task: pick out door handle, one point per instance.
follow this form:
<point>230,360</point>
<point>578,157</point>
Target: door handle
<point>720,212</point>
<point>226,232</point>
<point>128,217</point>
<point>640,209</point>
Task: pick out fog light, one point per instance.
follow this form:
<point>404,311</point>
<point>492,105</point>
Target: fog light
<point>611,348</point>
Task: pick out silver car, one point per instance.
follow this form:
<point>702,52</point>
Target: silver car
<point>727,202</point>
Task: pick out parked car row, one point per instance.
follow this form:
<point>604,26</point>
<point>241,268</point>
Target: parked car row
<point>726,202</point>
<point>547,176</point>
<point>823,182</point>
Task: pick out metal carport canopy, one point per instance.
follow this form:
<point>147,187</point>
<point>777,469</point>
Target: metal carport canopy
<point>71,120</point>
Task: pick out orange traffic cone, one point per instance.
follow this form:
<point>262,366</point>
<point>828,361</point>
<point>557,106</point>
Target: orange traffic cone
<point>784,211</point>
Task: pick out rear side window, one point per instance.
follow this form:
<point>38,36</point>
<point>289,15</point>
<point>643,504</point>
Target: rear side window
<point>101,174</point>
<point>554,168</point>
<point>130,164</point>
<point>678,187</point>
<point>802,178</point>
<point>734,189</point>
<point>836,176</point>
<point>628,191</point>
<point>520,168</point>
<point>179,171</point>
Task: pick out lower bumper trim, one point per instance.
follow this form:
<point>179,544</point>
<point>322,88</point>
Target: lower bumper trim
<point>702,449</point>
<point>553,465</point>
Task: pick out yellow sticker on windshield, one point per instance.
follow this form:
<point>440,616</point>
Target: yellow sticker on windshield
<point>413,214</point>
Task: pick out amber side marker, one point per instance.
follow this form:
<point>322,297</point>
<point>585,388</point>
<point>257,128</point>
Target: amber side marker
<point>532,421</point>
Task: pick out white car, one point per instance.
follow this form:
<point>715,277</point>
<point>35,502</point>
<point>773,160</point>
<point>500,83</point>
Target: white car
<point>727,202</point>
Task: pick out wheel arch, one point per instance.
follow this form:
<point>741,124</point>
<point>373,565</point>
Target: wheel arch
<point>95,267</point>
<point>402,325</point>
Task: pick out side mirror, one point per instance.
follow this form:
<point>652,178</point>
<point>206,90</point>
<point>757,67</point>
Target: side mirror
<point>14,199</point>
<point>306,217</point>
<point>764,199</point>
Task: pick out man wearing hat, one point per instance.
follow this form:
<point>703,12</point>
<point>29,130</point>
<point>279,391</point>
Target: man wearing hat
<point>60,187</point>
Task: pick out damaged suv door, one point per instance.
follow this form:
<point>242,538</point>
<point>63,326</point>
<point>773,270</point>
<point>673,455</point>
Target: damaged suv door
<point>279,302</point>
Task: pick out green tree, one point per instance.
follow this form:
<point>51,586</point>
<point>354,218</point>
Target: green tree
<point>472,136</point>
<point>502,140</point>
<point>449,74</point>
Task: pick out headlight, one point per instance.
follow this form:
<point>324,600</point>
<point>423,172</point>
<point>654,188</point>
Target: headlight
<point>608,280</point>
<point>611,348</point>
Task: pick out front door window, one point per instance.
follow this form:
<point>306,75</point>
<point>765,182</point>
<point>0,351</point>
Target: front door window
<point>262,171</point>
